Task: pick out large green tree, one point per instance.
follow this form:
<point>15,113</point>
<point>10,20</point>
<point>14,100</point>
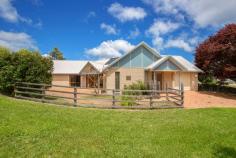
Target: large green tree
<point>56,54</point>
<point>216,56</point>
<point>6,70</point>
<point>23,66</point>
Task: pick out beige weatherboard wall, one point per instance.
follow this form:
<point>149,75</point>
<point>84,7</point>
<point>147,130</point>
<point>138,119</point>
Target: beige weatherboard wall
<point>140,64</point>
<point>189,80</point>
<point>135,74</point>
<point>60,79</point>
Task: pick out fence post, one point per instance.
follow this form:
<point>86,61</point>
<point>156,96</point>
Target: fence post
<point>182,94</point>
<point>151,97</point>
<point>167,97</point>
<point>75,96</point>
<point>113,98</point>
<point>15,89</point>
<point>43,92</point>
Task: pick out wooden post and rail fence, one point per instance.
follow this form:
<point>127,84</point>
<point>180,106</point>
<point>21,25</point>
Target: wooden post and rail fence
<point>147,99</point>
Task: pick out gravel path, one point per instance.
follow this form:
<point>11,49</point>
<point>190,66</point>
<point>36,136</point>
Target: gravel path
<point>208,99</point>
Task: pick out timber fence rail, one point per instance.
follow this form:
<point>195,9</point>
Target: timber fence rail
<point>101,98</point>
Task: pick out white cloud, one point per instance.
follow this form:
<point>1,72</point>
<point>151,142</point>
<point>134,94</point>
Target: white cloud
<point>162,27</point>
<point>179,43</point>
<point>159,28</point>
<point>46,55</point>
<point>124,13</point>
<point>134,33</point>
<point>8,12</point>
<point>158,42</point>
<point>195,40</point>
<point>16,41</point>
<point>110,48</point>
<point>165,6</point>
<point>109,29</point>
<point>203,12</point>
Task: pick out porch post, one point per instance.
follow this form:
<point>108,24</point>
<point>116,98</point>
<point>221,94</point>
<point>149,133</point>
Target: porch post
<point>86,81</point>
<point>179,81</point>
<point>98,83</point>
<point>155,81</point>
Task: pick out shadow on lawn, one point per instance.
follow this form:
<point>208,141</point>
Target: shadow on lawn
<point>224,152</point>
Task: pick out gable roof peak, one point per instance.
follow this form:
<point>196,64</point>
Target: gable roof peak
<point>144,44</point>
<point>147,46</point>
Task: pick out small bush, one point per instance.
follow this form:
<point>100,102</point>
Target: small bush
<point>130,100</point>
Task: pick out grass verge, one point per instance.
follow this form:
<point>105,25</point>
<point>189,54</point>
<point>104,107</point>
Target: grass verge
<point>29,129</point>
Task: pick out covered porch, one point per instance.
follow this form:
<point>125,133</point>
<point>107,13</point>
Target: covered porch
<point>161,80</point>
<point>89,77</point>
<point>86,80</point>
<point>169,72</point>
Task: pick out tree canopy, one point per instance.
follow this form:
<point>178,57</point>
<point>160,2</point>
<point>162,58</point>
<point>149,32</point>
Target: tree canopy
<point>23,66</point>
<point>56,54</point>
<point>216,56</point>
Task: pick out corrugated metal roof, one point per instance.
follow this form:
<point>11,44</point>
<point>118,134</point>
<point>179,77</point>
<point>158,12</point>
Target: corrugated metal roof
<point>181,62</point>
<point>188,65</point>
<point>100,66</point>
<point>75,66</point>
<point>111,60</point>
<point>68,66</point>
<point>157,63</point>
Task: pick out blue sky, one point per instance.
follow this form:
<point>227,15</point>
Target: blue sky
<point>95,29</point>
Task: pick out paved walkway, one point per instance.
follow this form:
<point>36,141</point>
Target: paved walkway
<point>208,99</point>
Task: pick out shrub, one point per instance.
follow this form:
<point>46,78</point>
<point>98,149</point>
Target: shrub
<point>23,66</point>
<point>128,100</point>
<point>217,88</point>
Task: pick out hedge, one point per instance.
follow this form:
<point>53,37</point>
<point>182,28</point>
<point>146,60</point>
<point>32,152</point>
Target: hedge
<point>23,66</point>
<point>216,88</point>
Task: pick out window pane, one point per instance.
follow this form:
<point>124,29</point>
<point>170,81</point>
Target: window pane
<point>128,78</point>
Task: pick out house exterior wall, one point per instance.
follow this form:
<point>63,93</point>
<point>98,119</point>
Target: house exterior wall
<point>148,76</point>
<point>167,79</point>
<point>83,81</point>
<point>172,79</point>
<point>189,80</point>
<point>194,81</point>
<point>137,74</point>
<point>132,65</point>
<point>63,80</point>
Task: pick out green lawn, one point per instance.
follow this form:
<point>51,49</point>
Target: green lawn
<point>29,129</point>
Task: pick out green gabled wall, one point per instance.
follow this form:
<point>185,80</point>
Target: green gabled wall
<point>139,58</point>
<point>167,65</point>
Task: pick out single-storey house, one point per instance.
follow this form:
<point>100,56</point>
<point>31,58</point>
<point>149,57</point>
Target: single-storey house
<point>140,64</point>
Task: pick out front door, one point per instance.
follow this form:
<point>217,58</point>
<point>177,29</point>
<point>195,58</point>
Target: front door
<point>117,80</point>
